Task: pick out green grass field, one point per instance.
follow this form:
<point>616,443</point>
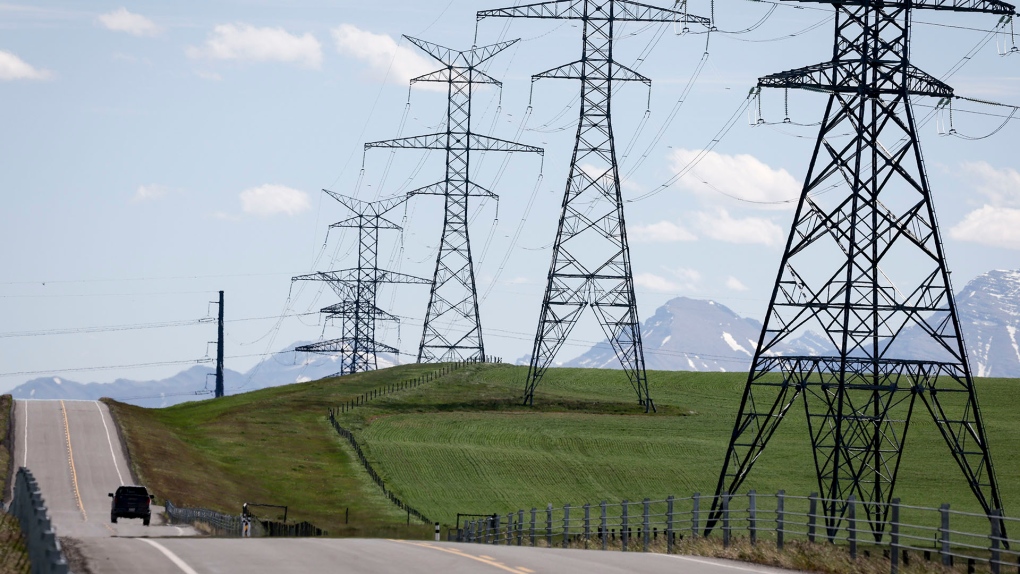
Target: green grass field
<point>464,444</point>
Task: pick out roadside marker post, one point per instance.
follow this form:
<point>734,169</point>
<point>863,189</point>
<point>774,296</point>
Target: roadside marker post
<point>437,532</point>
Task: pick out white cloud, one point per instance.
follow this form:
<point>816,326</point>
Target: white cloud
<point>14,68</point>
<point>735,284</point>
<point>1001,186</point>
<point>248,43</point>
<point>723,227</point>
<point>743,177</point>
<point>149,192</point>
<point>385,58</point>
<point>652,282</point>
<point>661,232</point>
<point>271,199</point>
<point>120,20</point>
<point>994,226</point>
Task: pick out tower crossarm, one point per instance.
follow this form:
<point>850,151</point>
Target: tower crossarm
<point>394,277</point>
<point>575,10</point>
<point>578,71</point>
<point>345,344</point>
<point>457,76</point>
<point>349,308</point>
<point>361,222</point>
<point>441,188</point>
<point>367,208</point>
<point>984,6</point>
<point>462,59</point>
<point>428,141</point>
<point>487,143</point>
<point>846,77</point>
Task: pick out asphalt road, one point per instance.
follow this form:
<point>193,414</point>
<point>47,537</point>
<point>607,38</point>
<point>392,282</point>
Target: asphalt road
<point>73,450</point>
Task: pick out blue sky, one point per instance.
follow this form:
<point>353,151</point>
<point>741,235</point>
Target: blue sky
<point>154,153</point>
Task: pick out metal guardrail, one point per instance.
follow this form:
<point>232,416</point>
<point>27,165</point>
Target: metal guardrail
<point>895,530</point>
<point>40,537</point>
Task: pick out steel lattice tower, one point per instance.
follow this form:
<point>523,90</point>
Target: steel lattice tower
<point>591,257</point>
<point>453,329</point>
<point>357,289</point>
<point>864,264</point>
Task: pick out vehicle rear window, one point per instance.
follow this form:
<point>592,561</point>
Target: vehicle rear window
<point>132,490</point>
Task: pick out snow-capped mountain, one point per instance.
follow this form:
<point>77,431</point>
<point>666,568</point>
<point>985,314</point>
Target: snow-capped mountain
<point>699,335</point>
<point>196,383</point>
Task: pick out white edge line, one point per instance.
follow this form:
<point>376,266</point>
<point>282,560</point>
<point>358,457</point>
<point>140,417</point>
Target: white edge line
<point>110,441</point>
<point>717,564</point>
<point>173,557</point>
<point>25,463</point>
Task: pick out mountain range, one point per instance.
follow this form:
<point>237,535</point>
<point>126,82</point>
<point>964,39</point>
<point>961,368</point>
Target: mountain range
<point>684,334</point>
<point>700,335</point>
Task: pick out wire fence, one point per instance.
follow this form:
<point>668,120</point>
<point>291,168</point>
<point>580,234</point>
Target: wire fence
<point>896,531</point>
<point>221,524</point>
<point>416,382</point>
<point>44,552</point>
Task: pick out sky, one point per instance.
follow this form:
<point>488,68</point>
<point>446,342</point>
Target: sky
<point>154,153</point>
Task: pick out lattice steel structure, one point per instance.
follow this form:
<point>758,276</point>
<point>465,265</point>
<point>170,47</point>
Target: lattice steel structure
<point>864,264</point>
<point>591,257</point>
<point>453,328</point>
<point>357,289</point>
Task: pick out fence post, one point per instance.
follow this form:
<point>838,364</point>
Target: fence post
<point>996,516</point>
<point>566,525</point>
<point>646,523</point>
<point>780,518</point>
<point>625,525</point>
<point>604,525</point>
<point>812,515</point>
<point>669,524</point>
<point>726,519</point>
<point>587,524</point>
<point>851,502</point>
<point>532,531</point>
<point>520,526</point>
<point>944,535</point>
<point>752,517</point>
<point>894,537</point>
<point>548,525</point>
<point>694,515</point>
<point>509,528</point>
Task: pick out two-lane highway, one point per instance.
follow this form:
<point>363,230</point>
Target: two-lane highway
<point>73,449</point>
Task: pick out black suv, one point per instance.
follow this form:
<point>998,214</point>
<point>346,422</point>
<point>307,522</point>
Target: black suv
<point>131,502</point>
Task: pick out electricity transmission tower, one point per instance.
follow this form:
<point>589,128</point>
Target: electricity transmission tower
<point>453,329</point>
<point>865,265</point>
<point>591,258</point>
<point>357,289</point>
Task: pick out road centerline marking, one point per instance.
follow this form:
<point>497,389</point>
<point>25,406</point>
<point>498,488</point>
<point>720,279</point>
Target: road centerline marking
<point>455,552</point>
<point>70,461</point>
<point>120,477</point>
<point>169,554</point>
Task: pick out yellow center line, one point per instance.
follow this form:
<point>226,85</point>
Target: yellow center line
<point>70,460</point>
<point>455,552</point>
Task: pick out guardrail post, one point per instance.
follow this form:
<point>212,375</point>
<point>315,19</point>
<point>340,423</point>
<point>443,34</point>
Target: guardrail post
<point>752,517</point>
<point>669,524</point>
<point>726,519</point>
<point>894,537</point>
<point>587,523</point>
<point>646,523</point>
<point>944,536</point>
<point>851,510</point>
<point>996,516</point>
<point>548,525</point>
<point>603,525</point>
<point>625,526</point>
<point>812,516</point>
<point>694,515</point>
<point>780,518</point>
<point>532,531</point>
<point>566,525</point>
<point>520,526</point>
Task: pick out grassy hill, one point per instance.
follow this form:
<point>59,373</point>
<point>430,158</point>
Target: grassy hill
<point>463,444</point>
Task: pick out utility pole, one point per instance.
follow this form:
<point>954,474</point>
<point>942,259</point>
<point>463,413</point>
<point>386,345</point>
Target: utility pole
<point>453,328</point>
<point>219,352</point>
<point>357,288</point>
<point>591,257</point>
<point>864,263</point>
